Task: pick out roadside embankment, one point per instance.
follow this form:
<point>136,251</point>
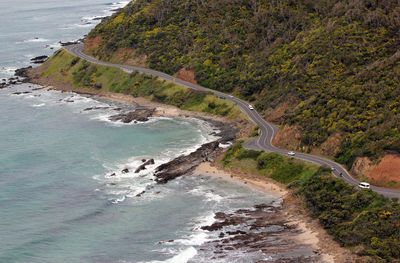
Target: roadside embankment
<point>362,220</point>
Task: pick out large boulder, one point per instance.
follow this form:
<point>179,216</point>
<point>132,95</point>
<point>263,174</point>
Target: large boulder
<point>137,115</point>
<point>186,163</point>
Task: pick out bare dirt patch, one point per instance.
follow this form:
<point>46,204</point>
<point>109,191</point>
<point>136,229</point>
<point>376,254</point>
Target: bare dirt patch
<point>277,115</point>
<point>186,75</point>
<point>92,43</point>
<point>288,138</point>
<point>330,147</point>
<point>383,172</point>
<point>128,56</point>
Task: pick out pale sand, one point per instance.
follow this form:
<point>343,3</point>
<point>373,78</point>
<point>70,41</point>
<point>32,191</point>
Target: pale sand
<point>263,186</point>
<point>311,232</point>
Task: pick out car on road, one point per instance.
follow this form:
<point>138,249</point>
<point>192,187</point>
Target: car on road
<point>364,185</point>
<point>231,96</point>
<point>291,153</point>
<point>332,169</point>
<point>222,97</point>
<point>251,107</point>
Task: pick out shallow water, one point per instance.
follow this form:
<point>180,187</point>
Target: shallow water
<point>30,28</point>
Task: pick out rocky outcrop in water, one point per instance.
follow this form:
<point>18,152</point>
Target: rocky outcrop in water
<point>141,115</point>
<point>143,166</point>
<point>39,59</point>
<point>21,92</point>
<point>64,44</point>
<point>186,163</point>
<point>206,153</point>
<point>96,108</point>
<point>226,131</point>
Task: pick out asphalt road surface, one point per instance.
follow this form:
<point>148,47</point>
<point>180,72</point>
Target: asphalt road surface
<point>267,130</point>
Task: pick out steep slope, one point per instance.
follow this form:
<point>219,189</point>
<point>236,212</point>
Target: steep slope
<point>329,69</point>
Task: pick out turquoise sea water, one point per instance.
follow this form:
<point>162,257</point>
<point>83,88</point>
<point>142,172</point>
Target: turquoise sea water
<point>58,202</point>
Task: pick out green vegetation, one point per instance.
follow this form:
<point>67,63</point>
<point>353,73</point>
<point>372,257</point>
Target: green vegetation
<point>355,218</point>
<point>255,132</point>
<point>64,67</point>
<point>337,60</point>
<point>278,167</point>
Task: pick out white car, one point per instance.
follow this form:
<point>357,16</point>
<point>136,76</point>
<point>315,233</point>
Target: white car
<point>231,96</point>
<point>332,169</point>
<point>251,107</point>
<point>291,153</point>
<point>364,185</point>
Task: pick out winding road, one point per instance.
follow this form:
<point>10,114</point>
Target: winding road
<point>268,131</point>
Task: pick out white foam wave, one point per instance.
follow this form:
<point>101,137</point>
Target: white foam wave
<point>35,40</point>
<point>118,200</point>
<point>208,194</point>
<point>54,45</point>
<point>120,4</point>
<point>8,70</point>
<point>73,26</point>
<point>183,257</point>
<point>91,18</point>
<point>38,105</point>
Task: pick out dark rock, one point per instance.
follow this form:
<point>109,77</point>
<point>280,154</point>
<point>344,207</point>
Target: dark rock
<point>186,163</point>
<point>238,232</point>
<point>137,115</point>
<point>143,160</point>
<point>125,171</point>
<point>226,131</point>
<point>99,18</point>
<point>96,108</point>
<point>140,194</point>
<point>37,88</point>
<point>21,92</point>
<point>39,59</point>
<point>113,174</point>
<point>22,72</point>
<point>68,43</point>
<point>143,166</point>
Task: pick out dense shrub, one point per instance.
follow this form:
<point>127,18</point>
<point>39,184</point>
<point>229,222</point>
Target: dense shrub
<point>336,62</point>
<point>353,217</point>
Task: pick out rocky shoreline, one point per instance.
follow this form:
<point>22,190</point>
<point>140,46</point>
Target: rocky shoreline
<point>259,230</point>
<point>208,152</point>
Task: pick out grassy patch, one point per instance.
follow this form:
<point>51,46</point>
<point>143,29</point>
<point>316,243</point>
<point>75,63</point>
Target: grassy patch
<point>280,168</point>
<point>64,67</point>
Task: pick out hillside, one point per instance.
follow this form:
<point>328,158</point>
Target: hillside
<point>328,71</point>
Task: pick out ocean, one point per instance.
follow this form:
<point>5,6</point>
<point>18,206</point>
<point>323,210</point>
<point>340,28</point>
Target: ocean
<point>59,199</point>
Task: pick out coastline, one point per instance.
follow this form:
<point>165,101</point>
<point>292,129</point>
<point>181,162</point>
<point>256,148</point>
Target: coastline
<point>311,233</point>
